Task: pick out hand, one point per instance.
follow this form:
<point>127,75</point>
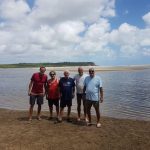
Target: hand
<point>29,93</point>
<point>101,99</point>
<point>73,95</point>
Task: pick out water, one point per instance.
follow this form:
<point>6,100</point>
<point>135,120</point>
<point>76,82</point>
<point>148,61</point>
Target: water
<point>126,93</point>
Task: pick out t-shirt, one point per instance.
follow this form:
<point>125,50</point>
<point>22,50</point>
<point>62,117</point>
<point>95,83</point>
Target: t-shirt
<point>66,88</point>
<point>80,82</point>
<point>39,80</point>
<point>53,89</point>
<point>93,86</point>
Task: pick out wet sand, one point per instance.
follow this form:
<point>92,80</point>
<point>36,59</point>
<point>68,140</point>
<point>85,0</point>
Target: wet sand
<point>17,133</point>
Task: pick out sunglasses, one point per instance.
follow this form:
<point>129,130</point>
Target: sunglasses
<point>91,71</point>
<point>52,74</point>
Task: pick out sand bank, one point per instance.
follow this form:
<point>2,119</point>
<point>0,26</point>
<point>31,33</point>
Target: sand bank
<point>16,133</point>
<point>101,68</point>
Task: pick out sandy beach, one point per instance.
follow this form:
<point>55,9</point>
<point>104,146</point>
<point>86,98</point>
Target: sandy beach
<point>101,68</point>
<point>17,133</point>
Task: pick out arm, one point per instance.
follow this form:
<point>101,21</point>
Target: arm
<point>73,89</point>
<point>46,90</point>
<point>45,87</point>
<point>84,89</point>
<point>101,94</point>
<point>30,87</point>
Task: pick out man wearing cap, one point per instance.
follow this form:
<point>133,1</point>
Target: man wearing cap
<point>94,95</point>
<point>36,91</point>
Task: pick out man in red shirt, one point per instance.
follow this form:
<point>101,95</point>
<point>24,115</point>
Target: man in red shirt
<point>53,93</point>
<point>37,91</point>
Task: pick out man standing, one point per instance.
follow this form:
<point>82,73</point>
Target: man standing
<point>53,94</point>
<point>94,95</point>
<point>67,89</point>
<point>37,91</point>
<point>79,80</point>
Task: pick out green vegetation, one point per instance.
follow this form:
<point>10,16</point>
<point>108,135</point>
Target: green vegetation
<point>59,64</point>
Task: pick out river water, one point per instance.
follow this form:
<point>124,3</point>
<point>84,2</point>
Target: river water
<point>126,93</point>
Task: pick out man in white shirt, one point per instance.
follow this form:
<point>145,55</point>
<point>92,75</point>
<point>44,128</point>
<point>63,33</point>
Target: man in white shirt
<point>79,80</point>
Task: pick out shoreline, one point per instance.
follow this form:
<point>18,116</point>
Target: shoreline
<point>115,134</point>
<point>97,68</point>
<point>101,68</point>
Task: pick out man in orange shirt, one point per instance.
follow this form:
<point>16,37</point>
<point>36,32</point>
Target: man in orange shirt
<point>53,94</point>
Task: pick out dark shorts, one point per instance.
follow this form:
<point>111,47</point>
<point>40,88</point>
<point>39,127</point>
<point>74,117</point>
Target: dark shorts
<point>79,98</point>
<point>38,98</point>
<point>89,104</point>
<point>64,103</point>
<point>52,102</point>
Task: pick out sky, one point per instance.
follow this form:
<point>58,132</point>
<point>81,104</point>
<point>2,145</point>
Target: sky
<point>106,32</point>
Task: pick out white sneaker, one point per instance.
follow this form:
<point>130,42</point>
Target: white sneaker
<point>86,120</point>
<point>98,125</point>
<point>78,119</point>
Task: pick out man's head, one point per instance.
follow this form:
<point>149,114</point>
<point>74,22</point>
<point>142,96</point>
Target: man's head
<point>91,72</point>
<point>42,70</point>
<point>66,73</point>
<point>52,74</point>
<point>80,71</point>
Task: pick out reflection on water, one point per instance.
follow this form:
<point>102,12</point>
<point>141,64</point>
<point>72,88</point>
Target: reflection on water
<point>126,93</point>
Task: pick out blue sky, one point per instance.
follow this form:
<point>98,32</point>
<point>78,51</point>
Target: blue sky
<point>107,32</point>
<point>130,11</point>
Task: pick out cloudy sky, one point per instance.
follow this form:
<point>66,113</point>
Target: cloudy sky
<point>107,32</point>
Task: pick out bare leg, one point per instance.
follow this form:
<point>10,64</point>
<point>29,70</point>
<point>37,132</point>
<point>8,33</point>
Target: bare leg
<point>88,108</point>
<point>96,106</point>
<point>57,111</point>
<point>61,113</point>
<point>69,111</point>
<point>51,111</point>
<point>31,112</point>
<point>79,107</point>
<point>84,109</point>
<point>39,112</point>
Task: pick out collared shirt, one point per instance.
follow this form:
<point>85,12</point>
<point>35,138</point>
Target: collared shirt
<point>39,80</point>
<point>80,82</point>
<point>93,86</point>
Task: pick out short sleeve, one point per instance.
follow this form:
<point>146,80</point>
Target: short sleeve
<point>32,78</point>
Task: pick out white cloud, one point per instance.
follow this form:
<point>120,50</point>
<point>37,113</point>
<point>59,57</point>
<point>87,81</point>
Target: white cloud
<point>14,10</point>
<point>146,18</point>
<point>85,10</point>
<point>64,30</point>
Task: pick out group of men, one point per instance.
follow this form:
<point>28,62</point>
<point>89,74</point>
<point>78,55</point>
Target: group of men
<point>60,92</point>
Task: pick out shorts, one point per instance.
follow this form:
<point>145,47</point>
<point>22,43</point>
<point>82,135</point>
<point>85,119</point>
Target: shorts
<point>64,103</point>
<point>52,102</point>
<point>95,104</point>
<point>79,98</point>
<point>38,98</point>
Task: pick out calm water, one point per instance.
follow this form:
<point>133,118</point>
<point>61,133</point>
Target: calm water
<point>126,93</point>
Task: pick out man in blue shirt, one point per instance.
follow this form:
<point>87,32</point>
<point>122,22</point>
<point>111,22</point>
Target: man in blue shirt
<point>67,90</point>
<point>94,94</point>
